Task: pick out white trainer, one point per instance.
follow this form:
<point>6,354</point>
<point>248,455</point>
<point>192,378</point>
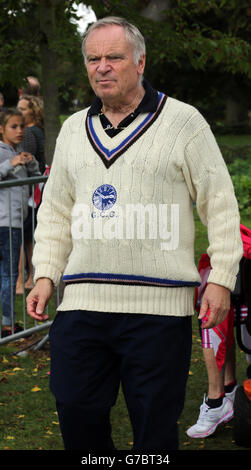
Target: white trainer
<point>231,395</point>
<point>210,418</point>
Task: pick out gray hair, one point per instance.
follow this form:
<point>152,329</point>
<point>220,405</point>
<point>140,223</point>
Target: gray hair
<point>132,33</point>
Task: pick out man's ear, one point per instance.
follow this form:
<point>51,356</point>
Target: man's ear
<point>141,64</point>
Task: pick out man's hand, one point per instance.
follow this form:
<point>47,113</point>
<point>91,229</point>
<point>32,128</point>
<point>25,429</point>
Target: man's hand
<point>38,298</point>
<point>215,304</point>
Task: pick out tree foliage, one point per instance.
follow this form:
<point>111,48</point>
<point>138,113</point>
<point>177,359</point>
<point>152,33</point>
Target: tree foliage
<point>203,33</point>
<point>215,32</point>
<point>19,40</point>
<point>38,38</point>
<point>189,43</point>
<point>23,29</point>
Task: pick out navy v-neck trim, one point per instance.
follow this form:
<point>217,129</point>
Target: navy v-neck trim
<point>107,156</point>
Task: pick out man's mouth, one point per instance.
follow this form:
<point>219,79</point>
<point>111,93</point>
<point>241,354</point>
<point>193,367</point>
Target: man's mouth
<point>105,80</point>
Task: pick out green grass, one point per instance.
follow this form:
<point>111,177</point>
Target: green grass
<point>27,410</point>
<point>234,140</point>
<point>235,147</point>
<point>28,416</point>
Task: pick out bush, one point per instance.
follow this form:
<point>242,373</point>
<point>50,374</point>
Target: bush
<point>241,177</point>
<point>232,153</point>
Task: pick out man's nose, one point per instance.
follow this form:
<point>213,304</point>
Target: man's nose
<point>103,65</point>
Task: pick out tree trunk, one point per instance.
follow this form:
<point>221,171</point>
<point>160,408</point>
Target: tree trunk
<point>49,60</point>
<point>236,112</point>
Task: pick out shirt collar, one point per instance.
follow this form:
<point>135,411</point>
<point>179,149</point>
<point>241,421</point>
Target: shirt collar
<point>149,102</point>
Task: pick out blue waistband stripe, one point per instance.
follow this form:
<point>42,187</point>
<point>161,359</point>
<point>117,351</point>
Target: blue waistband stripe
<point>126,279</point>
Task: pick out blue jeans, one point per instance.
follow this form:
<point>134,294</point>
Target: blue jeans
<point>8,273</point>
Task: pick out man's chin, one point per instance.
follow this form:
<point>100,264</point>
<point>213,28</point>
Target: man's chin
<point>106,93</point>
<point>105,88</point>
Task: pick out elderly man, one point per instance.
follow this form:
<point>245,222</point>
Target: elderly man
<point>135,155</point>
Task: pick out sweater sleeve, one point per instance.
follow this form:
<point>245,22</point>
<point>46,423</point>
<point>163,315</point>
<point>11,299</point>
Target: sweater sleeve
<point>53,233</point>
<point>33,168</point>
<point>212,190</point>
<point>5,168</point>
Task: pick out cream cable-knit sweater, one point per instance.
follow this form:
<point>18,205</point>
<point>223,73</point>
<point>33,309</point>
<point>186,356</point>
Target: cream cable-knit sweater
<point>98,189</point>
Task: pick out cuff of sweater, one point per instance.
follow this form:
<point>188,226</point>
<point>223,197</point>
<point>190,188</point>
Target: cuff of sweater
<point>48,271</point>
<point>223,278</point>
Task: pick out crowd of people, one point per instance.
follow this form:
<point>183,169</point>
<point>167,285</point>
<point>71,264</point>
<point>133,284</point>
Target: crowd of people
<point>22,154</point>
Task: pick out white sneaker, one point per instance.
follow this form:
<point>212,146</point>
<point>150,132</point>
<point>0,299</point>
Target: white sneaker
<point>210,418</point>
<point>231,395</point>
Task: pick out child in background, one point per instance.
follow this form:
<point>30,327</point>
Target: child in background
<point>14,164</point>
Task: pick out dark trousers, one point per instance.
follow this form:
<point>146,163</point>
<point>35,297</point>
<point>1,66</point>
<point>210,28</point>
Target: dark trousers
<point>93,352</point>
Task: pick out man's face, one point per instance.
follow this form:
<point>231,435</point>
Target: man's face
<point>111,69</point>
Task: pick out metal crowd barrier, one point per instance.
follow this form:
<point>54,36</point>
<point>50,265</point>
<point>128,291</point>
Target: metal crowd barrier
<point>29,327</point>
